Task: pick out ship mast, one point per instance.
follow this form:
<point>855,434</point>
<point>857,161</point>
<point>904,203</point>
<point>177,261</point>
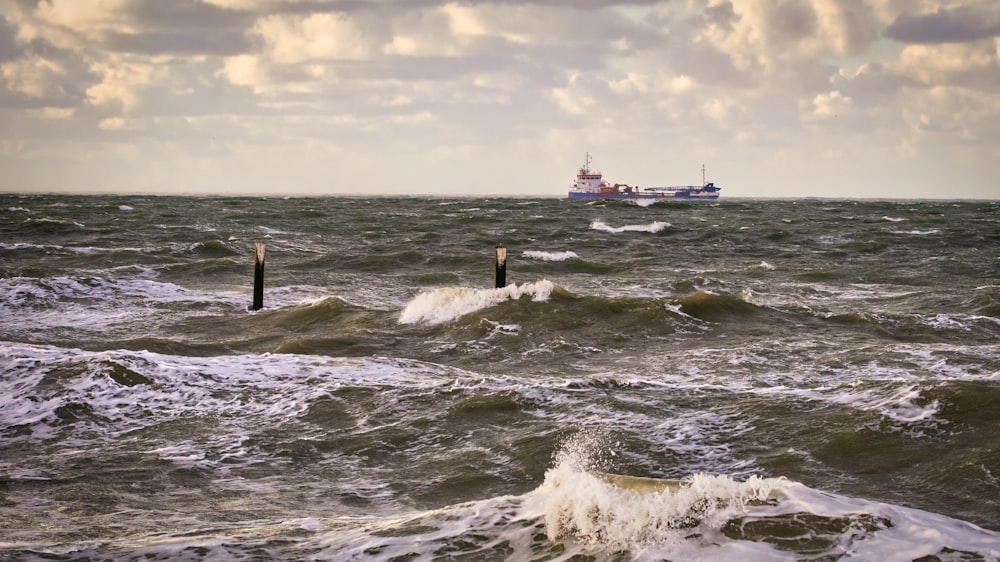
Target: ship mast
<point>703,184</point>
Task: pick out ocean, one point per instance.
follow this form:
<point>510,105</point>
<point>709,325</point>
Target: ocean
<point>732,380</point>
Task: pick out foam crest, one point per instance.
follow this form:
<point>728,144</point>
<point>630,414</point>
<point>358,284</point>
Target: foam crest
<point>96,303</point>
<point>116,392</point>
<point>652,227</point>
<point>705,517</point>
<point>893,532</point>
<point>550,256</point>
<point>449,303</point>
<point>623,513</point>
<point>644,202</point>
<point>762,266</point>
<point>904,405</point>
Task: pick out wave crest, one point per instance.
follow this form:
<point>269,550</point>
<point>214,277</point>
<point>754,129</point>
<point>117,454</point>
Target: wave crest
<point>449,303</point>
<point>713,307</point>
<point>550,256</point>
<point>623,513</point>
<point>652,227</point>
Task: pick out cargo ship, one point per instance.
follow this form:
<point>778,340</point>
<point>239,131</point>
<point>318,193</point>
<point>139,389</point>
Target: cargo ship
<point>591,185</point>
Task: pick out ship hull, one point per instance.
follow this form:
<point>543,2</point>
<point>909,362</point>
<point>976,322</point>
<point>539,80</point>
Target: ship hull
<point>643,196</point>
<point>590,185</point>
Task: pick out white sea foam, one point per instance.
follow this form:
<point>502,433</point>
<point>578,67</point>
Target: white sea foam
<point>549,256</point>
<point>899,403</point>
<point>834,239</point>
<point>572,512</point>
<point>945,322</point>
<point>447,304</point>
<point>580,506</point>
<point>652,227</point>
<point>910,535</point>
<point>894,387</point>
<point>186,387</point>
<point>497,328</point>
<point>644,202</point>
<point>97,303</point>
<point>762,266</point>
<point>83,250</point>
<point>684,520</point>
<point>57,290</point>
<point>57,221</point>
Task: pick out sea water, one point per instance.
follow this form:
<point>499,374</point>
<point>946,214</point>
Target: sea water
<point>738,380</point>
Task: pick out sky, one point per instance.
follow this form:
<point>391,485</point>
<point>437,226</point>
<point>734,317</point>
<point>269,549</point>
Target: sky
<point>882,99</point>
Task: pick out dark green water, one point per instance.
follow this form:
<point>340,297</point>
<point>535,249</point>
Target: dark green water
<point>823,376</point>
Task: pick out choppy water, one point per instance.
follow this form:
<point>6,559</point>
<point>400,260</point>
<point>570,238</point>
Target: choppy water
<point>806,380</point>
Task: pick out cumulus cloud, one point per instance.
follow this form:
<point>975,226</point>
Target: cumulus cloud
<point>831,105</point>
<point>150,28</point>
<point>972,64</point>
<point>953,24</point>
<point>34,76</point>
<point>8,45</point>
<point>292,39</point>
<point>120,83</point>
<point>447,82</point>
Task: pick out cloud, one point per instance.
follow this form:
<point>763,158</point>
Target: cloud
<point>792,28</point>
<point>180,15</point>
<point>975,65</point>
<point>121,83</point>
<point>292,39</point>
<point>53,112</point>
<point>8,46</point>
<point>67,24</point>
<point>150,28</point>
<point>188,41</point>
<point>34,76</point>
<point>241,86</point>
<point>957,24</point>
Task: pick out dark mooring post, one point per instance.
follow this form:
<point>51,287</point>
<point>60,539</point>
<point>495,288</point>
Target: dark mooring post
<point>500,277</point>
<point>258,276</point>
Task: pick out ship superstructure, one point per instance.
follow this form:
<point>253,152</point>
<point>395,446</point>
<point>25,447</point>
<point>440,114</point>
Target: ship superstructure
<point>590,184</point>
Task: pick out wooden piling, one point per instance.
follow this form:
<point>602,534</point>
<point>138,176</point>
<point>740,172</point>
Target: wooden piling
<point>258,276</point>
<point>500,274</point>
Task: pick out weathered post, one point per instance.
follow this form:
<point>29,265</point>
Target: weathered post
<point>258,276</point>
<point>500,275</point>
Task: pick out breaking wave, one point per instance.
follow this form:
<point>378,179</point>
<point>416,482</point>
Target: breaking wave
<point>550,256</point>
<point>652,227</point>
<point>447,304</point>
<point>716,517</point>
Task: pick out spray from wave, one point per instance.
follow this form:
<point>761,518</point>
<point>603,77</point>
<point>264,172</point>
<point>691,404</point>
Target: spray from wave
<point>715,517</point>
<point>449,303</point>
<point>580,502</point>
